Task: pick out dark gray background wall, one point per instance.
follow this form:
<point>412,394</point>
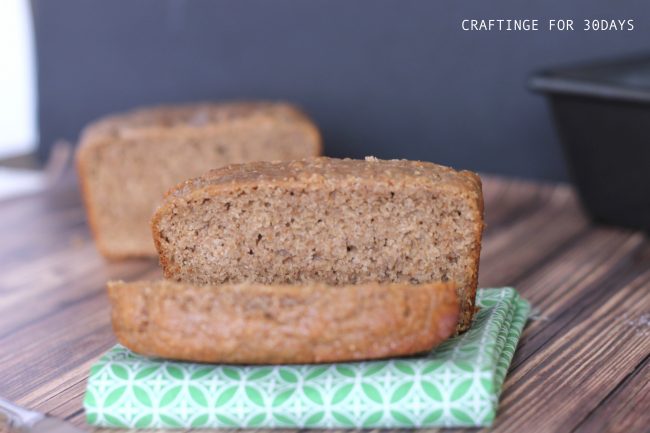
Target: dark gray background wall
<point>391,78</point>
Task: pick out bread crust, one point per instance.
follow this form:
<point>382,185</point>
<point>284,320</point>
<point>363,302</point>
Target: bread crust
<point>468,308</point>
<point>166,121</point>
<point>317,171</point>
<point>281,324</point>
<point>321,170</point>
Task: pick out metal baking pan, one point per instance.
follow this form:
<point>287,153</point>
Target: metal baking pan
<point>602,114</point>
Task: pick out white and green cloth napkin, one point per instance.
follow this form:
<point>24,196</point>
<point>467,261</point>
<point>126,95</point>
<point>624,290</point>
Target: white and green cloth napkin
<point>458,384</point>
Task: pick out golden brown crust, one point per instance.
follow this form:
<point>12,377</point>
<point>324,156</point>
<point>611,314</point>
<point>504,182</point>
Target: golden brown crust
<point>171,122</point>
<point>281,324</point>
<point>321,170</point>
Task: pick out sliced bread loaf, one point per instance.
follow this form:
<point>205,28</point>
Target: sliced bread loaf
<point>335,221</point>
<point>126,162</point>
<point>281,324</point>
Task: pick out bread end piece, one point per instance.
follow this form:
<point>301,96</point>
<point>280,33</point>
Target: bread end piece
<point>281,324</point>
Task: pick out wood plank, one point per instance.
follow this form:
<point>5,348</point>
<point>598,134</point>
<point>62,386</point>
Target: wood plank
<point>509,253</point>
<point>48,285</point>
<point>56,350</point>
<point>627,408</point>
<point>558,385</point>
<point>508,200</point>
<point>568,284</point>
<point>50,353</point>
<point>562,287</point>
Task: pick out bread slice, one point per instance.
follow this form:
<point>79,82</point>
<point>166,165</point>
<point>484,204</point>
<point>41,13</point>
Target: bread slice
<point>281,324</point>
<point>329,220</point>
<point>126,162</point>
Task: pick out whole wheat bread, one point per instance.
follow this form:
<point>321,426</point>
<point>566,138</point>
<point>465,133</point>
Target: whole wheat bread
<point>334,221</point>
<point>126,162</point>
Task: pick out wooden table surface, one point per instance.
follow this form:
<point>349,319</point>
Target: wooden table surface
<point>582,364</point>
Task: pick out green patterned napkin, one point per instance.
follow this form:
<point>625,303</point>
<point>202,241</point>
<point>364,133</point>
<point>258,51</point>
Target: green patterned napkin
<point>458,384</point>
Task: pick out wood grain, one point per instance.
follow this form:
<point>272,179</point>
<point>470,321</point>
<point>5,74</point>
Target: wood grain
<point>626,408</point>
<point>583,363</point>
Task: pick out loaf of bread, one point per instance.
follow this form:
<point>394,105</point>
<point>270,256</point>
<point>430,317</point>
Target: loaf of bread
<point>126,162</point>
<point>334,221</point>
<point>253,323</point>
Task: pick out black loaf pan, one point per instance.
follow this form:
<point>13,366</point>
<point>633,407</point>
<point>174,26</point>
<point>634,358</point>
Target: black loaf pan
<point>602,114</point>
